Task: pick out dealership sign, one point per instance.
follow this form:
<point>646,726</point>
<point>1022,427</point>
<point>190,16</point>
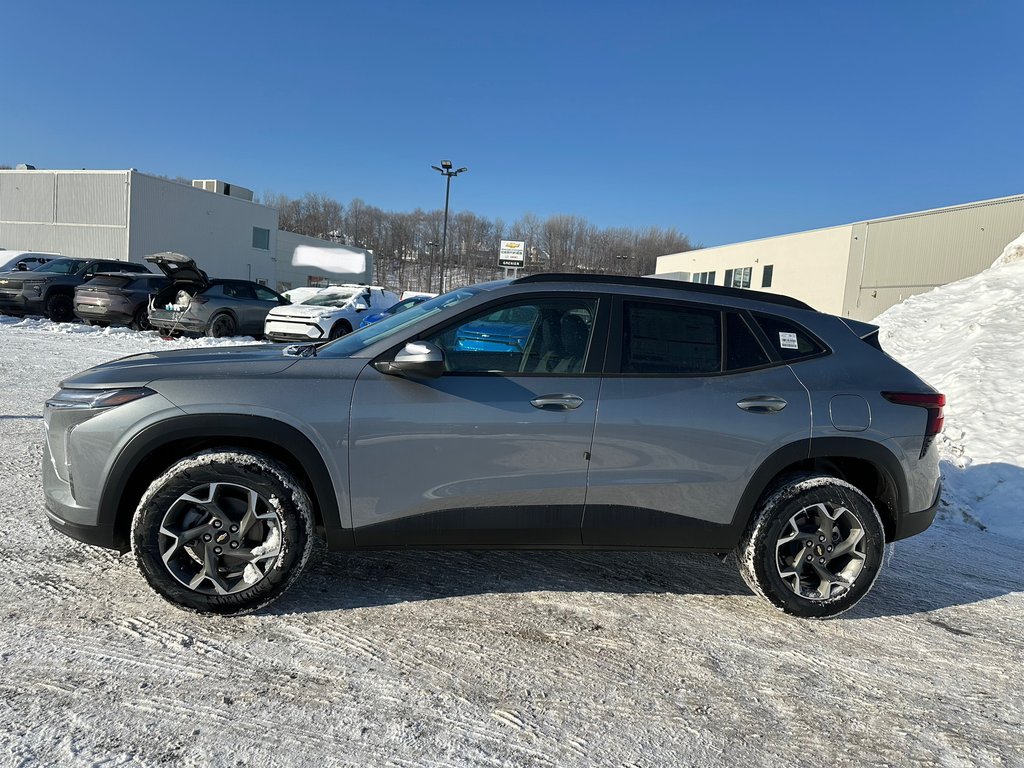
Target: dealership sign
<point>512,253</point>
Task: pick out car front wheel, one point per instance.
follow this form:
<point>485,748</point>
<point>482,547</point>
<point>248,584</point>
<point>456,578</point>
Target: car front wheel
<point>223,532</point>
<point>814,547</point>
<point>60,308</point>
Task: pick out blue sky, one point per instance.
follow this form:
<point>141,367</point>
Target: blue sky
<point>729,121</point>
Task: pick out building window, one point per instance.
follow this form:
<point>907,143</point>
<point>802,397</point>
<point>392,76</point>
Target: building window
<point>766,276</point>
<point>315,281</point>
<point>261,281</point>
<point>738,278</point>
<point>261,238</point>
<point>707,278</point>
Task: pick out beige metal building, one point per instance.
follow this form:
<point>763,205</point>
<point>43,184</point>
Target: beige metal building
<point>126,215</point>
<point>859,270</point>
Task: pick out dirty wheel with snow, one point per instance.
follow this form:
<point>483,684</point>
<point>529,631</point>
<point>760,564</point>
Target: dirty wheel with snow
<point>814,546</point>
<point>221,326</point>
<point>223,531</point>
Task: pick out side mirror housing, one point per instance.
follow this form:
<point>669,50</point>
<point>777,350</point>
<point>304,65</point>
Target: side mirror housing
<point>21,266</point>
<point>360,306</point>
<point>416,360</point>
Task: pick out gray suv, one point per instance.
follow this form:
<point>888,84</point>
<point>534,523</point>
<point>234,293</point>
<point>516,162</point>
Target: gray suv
<point>607,413</point>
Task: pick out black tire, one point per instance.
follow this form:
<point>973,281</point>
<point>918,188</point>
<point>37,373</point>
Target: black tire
<point>140,322</point>
<point>236,526</point>
<point>339,329</point>
<point>60,308</point>
<point>793,547</point>
<point>221,326</point>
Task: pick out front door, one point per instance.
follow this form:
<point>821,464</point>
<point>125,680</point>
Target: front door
<point>495,451</point>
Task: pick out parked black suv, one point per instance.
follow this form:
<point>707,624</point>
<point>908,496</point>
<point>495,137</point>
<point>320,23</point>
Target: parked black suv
<point>49,290</point>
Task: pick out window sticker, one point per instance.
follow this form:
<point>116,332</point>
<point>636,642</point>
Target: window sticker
<point>787,340</point>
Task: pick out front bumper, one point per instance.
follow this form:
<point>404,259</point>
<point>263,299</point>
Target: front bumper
<point>19,304</point>
<point>291,330</point>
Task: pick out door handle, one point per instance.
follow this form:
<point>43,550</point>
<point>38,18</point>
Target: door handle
<point>565,402</point>
<point>762,404</point>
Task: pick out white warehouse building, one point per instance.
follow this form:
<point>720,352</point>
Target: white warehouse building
<point>859,270</point>
<point>127,215</point>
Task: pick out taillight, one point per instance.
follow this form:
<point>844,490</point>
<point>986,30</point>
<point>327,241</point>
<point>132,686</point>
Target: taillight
<point>934,402</point>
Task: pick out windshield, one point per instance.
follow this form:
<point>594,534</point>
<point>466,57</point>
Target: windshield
<point>60,266</point>
<point>331,298</point>
<point>351,344</point>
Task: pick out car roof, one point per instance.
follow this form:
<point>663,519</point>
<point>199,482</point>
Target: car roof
<point>663,284</point>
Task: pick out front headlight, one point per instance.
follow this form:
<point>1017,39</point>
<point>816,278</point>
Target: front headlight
<point>36,287</point>
<point>97,398</point>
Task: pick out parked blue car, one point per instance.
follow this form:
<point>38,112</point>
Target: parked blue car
<point>394,309</point>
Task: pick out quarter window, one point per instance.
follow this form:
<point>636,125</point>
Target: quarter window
<point>668,339</point>
<point>789,340</point>
<point>546,337</point>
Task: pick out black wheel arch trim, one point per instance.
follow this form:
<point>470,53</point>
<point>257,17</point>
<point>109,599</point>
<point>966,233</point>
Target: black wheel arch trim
<point>116,510</point>
<point>823,448</point>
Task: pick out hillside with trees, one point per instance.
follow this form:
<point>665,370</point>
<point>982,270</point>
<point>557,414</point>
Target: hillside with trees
<point>407,245</point>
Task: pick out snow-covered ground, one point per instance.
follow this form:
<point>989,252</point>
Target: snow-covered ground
<point>539,658</point>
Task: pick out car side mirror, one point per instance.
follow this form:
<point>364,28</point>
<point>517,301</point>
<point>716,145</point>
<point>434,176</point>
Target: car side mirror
<point>360,306</point>
<point>21,266</point>
<point>417,360</point>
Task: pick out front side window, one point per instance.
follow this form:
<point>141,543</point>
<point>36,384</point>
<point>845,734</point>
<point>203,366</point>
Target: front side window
<point>537,337</point>
<point>669,339</point>
<point>265,294</point>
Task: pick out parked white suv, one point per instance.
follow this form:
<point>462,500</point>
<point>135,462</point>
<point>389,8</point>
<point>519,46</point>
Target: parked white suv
<point>328,314</point>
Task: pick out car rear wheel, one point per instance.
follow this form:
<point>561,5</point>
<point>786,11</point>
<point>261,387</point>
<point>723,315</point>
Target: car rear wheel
<point>60,308</point>
<point>222,325</point>
<point>223,532</point>
<point>814,547</point>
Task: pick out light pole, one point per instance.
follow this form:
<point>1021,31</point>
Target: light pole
<point>446,171</point>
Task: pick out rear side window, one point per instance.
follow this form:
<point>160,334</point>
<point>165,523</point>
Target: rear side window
<point>108,281</point>
<point>742,349</point>
<point>789,340</point>
<point>670,339</point>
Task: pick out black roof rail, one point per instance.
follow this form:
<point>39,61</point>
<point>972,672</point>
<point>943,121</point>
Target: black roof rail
<point>672,285</point>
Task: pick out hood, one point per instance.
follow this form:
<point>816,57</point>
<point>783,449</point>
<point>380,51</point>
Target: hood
<point>203,363</point>
<point>178,266</point>
<point>304,311</point>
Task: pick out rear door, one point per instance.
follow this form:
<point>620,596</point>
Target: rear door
<point>492,453</point>
<point>691,405</point>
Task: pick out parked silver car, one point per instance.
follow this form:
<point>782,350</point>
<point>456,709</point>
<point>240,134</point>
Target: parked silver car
<point>630,413</point>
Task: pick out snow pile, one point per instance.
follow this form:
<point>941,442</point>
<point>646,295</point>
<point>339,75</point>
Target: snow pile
<point>152,339</point>
<point>1012,252</point>
<point>964,339</point>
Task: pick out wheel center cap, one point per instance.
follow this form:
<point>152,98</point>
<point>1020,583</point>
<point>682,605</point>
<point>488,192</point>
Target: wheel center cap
<point>222,537</point>
<point>819,550</point>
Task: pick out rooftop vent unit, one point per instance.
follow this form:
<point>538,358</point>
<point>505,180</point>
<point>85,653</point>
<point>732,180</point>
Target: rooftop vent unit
<point>219,187</point>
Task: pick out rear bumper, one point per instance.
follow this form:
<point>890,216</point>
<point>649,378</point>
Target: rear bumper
<point>114,318</point>
<point>914,523</point>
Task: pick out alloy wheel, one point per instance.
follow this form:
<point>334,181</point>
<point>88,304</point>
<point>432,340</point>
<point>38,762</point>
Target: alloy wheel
<point>821,551</point>
<point>220,538</point>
